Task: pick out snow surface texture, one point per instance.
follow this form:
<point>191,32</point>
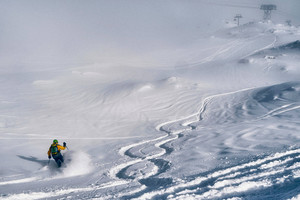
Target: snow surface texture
<point>221,124</point>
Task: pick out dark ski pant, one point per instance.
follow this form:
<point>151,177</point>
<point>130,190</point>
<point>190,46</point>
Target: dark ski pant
<point>59,159</point>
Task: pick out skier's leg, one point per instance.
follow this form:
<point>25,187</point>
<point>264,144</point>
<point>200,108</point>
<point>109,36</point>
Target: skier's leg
<point>62,158</point>
<point>57,160</point>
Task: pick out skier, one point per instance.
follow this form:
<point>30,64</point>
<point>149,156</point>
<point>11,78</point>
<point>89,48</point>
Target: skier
<point>54,150</point>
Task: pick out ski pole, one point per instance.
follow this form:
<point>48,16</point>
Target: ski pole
<point>48,161</point>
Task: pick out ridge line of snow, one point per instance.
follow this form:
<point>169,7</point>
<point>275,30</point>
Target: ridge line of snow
<point>266,47</point>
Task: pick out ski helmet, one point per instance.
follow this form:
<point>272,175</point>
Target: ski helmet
<point>55,141</point>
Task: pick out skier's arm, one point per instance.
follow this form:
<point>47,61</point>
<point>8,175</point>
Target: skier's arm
<point>49,152</point>
<point>61,147</point>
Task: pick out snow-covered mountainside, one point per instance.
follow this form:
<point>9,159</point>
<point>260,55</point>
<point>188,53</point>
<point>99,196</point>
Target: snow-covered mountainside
<point>223,123</point>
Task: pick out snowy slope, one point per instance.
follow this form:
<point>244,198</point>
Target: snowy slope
<point>221,124</point>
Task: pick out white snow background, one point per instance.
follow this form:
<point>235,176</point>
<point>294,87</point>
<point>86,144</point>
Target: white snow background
<point>155,99</point>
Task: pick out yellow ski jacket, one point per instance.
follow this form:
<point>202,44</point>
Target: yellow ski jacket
<point>59,147</point>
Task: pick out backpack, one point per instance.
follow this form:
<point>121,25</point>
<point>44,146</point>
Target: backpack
<point>54,150</point>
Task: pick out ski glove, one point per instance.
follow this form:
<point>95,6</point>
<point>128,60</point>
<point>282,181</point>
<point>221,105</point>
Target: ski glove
<point>65,144</point>
<point>49,157</point>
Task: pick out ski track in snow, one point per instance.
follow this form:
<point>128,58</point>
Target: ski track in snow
<point>282,109</point>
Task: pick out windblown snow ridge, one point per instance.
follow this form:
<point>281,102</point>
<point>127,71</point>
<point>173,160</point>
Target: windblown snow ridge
<point>290,46</point>
<point>256,179</point>
<point>250,104</point>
